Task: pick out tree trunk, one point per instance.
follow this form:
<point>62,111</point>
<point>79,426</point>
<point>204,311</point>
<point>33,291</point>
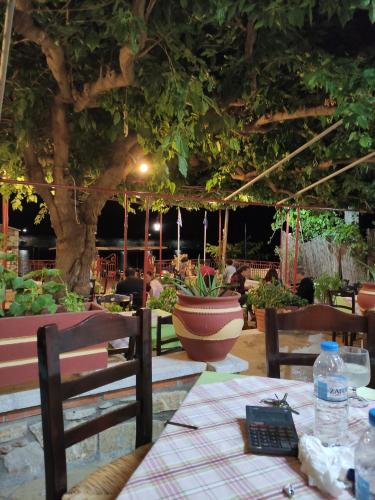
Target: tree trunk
<point>75,251</point>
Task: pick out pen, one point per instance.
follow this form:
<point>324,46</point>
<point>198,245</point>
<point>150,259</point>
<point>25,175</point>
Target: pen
<point>181,425</point>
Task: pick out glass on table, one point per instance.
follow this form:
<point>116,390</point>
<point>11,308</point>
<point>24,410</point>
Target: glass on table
<point>357,370</point>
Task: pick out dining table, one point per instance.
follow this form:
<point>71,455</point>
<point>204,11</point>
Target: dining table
<point>211,460</point>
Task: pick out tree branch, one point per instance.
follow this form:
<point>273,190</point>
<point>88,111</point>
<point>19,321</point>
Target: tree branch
<point>150,6</point>
<point>24,25</point>
<point>126,155</point>
<point>286,115</point>
<point>251,35</point>
<point>60,135</point>
<point>34,173</point>
<point>111,80</point>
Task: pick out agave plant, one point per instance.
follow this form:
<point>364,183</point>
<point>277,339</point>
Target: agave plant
<point>198,287</point>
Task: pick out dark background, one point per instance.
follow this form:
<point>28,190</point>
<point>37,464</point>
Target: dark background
<point>39,238</point>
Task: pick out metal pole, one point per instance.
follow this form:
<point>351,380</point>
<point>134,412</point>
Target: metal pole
<point>328,177</point>
<point>296,251</point>
<point>178,238</point>
<point>125,232</point>
<point>204,238</point>
<point>8,21</point>
<point>245,249</point>
<point>287,158</point>
<point>219,254</point>
<point>225,237</point>
<point>281,255</point>
<point>286,281</point>
<point>5,207</point>
<point>145,252</point>
<point>160,243</point>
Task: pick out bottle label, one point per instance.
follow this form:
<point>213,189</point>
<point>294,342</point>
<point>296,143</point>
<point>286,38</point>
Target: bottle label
<point>362,488</point>
<point>333,389</point>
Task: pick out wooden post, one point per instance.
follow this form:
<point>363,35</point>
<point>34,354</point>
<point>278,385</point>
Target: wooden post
<point>145,253</point>
<point>286,281</point>
<point>125,232</point>
<point>160,243</point>
<point>225,237</point>
<point>296,251</point>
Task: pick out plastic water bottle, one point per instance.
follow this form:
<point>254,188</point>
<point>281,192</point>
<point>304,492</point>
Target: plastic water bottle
<point>331,396</point>
<point>365,463</point>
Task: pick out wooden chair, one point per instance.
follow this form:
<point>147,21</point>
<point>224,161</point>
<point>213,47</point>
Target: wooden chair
<point>166,320</point>
<point>109,479</point>
<point>332,296</point>
<point>317,318</point>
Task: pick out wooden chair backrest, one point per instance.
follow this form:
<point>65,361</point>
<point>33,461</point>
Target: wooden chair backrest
<point>332,294</point>
<point>318,318</point>
<point>166,320</point>
<point>96,329</point>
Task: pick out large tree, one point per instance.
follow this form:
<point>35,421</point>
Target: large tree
<point>212,91</point>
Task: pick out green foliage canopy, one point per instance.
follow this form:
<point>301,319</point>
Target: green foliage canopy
<point>209,78</point>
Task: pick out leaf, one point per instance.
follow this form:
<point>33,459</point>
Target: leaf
<point>18,283</point>
<point>182,165</point>
<point>17,309</point>
<point>52,287</point>
<point>365,141</point>
<point>116,118</point>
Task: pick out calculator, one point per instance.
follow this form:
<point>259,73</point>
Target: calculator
<point>271,431</point>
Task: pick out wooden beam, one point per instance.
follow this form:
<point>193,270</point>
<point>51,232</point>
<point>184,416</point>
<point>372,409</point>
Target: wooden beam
<point>287,158</point>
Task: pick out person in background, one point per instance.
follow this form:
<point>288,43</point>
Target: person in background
<point>238,282</point>
<point>182,272</point>
<point>228,271</point>
<point>271,275</point>
<point>208,273</point>
<point>305,288</point>
<point>131,285</point>
<point>155,286</point>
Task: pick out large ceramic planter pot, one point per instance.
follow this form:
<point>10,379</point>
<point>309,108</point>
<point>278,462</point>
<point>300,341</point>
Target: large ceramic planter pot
<point>366,296</point>
<point>207,327</point>
<point>18,349</point>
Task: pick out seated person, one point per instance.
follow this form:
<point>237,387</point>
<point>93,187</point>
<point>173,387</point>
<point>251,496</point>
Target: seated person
<point>238,282</point>
<point>305,288</point>
<point>131,285</point>
<point>271,275</point>
<point>155,286</point>
<point>208,273</point>
<point>228,271</point>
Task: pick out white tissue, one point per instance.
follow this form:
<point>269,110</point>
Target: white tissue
<point>326,467</point>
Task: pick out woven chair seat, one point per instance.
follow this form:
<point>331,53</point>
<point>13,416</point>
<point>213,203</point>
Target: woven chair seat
<point>107,482</point>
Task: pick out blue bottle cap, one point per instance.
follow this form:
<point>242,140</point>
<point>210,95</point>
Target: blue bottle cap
<point>371,417</point>
<point>327,345</point>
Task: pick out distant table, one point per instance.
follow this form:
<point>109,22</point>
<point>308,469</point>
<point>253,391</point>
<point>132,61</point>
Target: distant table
<point>211,462</point>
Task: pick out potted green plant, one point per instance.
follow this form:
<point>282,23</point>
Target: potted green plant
<point>366,294</point>
<point>31,301</point>
<point>166,301</point>
<point>207,318</point>
<point>271,295</point>
<point>325,283</point>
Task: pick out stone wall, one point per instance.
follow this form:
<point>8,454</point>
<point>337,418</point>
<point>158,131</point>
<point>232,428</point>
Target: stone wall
<point>21,439</point>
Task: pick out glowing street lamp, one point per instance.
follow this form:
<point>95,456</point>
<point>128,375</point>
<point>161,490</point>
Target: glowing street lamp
<point>156,226</point>
<point>143,168</point>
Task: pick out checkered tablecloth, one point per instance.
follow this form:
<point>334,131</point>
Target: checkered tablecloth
<point>211,462</point>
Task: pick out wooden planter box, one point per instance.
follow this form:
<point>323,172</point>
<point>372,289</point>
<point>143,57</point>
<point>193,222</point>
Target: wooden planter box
<point>18,349</point>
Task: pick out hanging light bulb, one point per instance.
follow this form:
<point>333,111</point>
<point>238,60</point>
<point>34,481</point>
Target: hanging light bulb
<point>143,168</point>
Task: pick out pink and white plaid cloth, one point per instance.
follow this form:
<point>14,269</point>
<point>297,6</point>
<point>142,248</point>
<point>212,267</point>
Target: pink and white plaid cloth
<point>211,462</point>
